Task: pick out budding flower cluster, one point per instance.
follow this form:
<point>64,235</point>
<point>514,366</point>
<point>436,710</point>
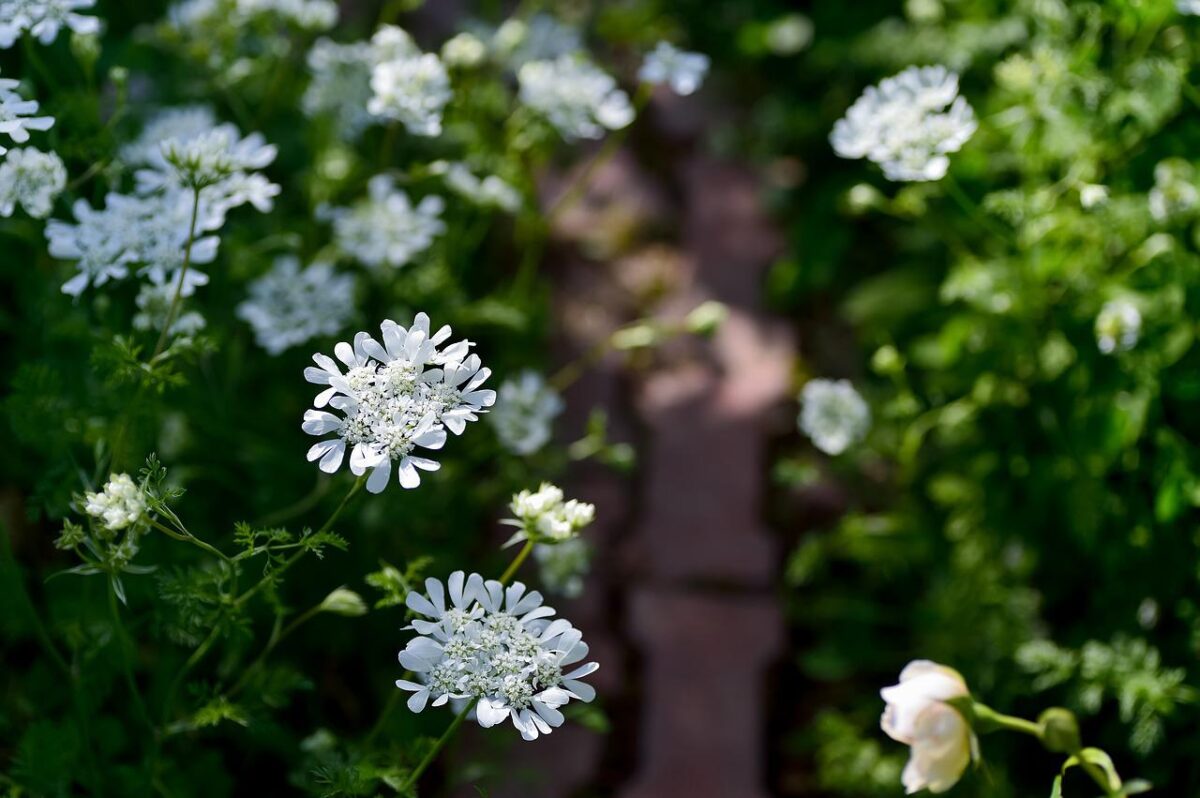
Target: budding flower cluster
<point>119,505</point>
<point>544,516</point>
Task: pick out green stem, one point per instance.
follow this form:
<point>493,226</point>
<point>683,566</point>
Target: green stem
<point>124,643</point>
<point>392,701</point>
<point>189,538</point>
<point>277,636</point>
<point>522,555</point>
<point>192,662</point>
<point>972,208</point>
<point>437,747</point>
<point>187,259</point>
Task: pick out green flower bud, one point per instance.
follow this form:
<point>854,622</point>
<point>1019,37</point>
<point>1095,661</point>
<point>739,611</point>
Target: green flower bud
<point>344,601</point>
<point>1060,730</point>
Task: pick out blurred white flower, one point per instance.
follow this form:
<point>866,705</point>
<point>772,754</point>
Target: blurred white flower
<point>148,232</point>
<point>683,71</point>
<point>1118,326</point>
<point>498,646</point>
<point>907,124</point>
<point>525,411</point>
<point>579,99</point>
<point>394,398</point>
<point>465,50</point>
<point>119,505</point>
<point>202,16</point>
<point>344,602</point>
<point>32,179</point>
<point>385,229</point>
<point>17,114</point>
<point>289,305</point>
<point>340,84</point>
<point>1191,7</point>
<point>940,738</point>
<point>833,415</point>
<point>154,302</point>
<point>491,191</point>
<point>185,148</point>
<point>563,566</point>
<point>1092,195</point>
<point>540,38</point>
<point>43,19</point>
<point>407,85</point>
<point>542,515</point>
<point>1174,194</point>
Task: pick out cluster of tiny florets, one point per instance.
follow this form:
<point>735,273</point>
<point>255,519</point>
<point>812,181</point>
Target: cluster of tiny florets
<point>908,124</point>
<point>396,396</point>
<point>577,98</point>
<point>1118,326</point>
<point>43,19</point>
<point>119,505</point>
<point>385,228</point>
<point>683,71</point>
<point>17,115</point>
<point>32,179</point>
<point>543,515</point>
<point>833,415</point>
<point>497,647</point>
<point>526,407</point>
<point>289,305</point>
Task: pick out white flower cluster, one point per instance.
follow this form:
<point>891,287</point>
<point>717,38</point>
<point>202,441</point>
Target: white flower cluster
<point>833,415</point>
<point>119,505</point>
<point>202,16</point>
<point>579,99</point>
<point>17,114</point>
<point>491,191</point>
<point>154,302</point>
<point>498,647</point>
<point>1175,194</point>
<point>684,72</point>
<point>562,566</point>
<point>539,38</point>
<point>941,741</point>
<point>542,515</point>
<point>1191,7</point>
<point>361,83</point>
<point>32,179</point>
<point>384,229</point>
<point>180,150</point>
<point>289,305</point>
<point>525,411</point>
<point>394,398</point>
<point>43,19</point>
<point>1118,326</point>
<point>907,124</point>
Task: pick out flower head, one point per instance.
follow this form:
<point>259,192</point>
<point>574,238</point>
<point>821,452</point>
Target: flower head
<point>1175,194</point>
<point>394,398</point>
<point>542,515</point>
<point>340,85</point>
<point>1118,326</point>
<point>17,114</point>
<point>491,191</point>
<point>497,646</point>
<point>43,19</point>
<point>682,71</point>
<point>32,179</point>
<point>833,415</point>
<point>385,229</point>
<point>119,505</point>
<point>289,305</point>
<point>917,715</point>
<point>907,124</point>
<point>525,411</point>
<point>579,99</point>
<point>412,90</point>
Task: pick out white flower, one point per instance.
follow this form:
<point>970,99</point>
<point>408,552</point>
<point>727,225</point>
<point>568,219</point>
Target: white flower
<point>154,302</point>
<point>464,50</point>
<point>497,646</point>
<point>907,124</point>
<point>198,17</point>
<point>385,229</point>
<point>562,566</point>
<point>491,191</point>
<point>119,505</point>
<point>288,306</point>
<point>17,114</point>
<point>525,411</point>
<point>542,515</point>
<point>833,415</point>
<point>1118,326</point>
<point>149,232</point>
<point>185,148</point>
<point>1174,193</point>
<point>44,19</point>
<point>578,99</point>
<point>1092,195</point>
<point>940,738</point>
<point>32,179</point>
<point>1191,7</point>
<point>340,87</point>
<point>394,398</point>
<point>407,85</point>
<point>541,38</point>
<point>682,70</point>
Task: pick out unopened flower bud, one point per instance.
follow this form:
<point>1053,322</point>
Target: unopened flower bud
<point>1060,730</point>
<point>344,601</point>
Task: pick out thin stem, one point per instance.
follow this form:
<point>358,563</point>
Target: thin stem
<point>522,555</point>
<point>972,209</point>
<point>192,662</point>
<point>190,538</point>
<point>277,636</point>
<point>437,747</point>
<point>124,642</point>
<point>392,701</point>
<point>187,259</point>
